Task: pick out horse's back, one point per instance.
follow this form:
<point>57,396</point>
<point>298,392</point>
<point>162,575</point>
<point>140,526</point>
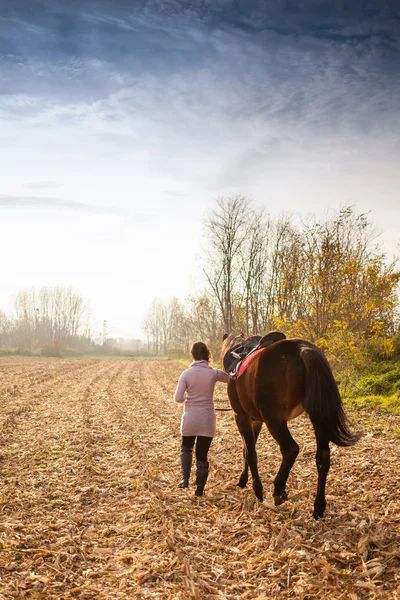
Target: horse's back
<point>279,380</point>
<point>281,358</point>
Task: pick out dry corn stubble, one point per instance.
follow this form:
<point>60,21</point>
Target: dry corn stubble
<point>90,506</point>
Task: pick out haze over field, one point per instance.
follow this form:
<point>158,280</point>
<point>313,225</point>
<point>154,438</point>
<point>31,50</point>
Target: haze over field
<point>120,123</point>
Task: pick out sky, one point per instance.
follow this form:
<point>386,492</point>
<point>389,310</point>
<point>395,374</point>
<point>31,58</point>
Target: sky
<point>121,123</point>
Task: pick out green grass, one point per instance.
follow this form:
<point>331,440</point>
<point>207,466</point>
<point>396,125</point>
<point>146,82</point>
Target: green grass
<point>387,403</point>
<point>186,362</point>
<point>378,386</point>
<point>385,384</point>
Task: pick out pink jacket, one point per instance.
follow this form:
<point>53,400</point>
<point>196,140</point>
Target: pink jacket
<point>196,389</point>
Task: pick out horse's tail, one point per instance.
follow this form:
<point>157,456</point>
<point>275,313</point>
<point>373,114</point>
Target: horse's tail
<point>322,399</point>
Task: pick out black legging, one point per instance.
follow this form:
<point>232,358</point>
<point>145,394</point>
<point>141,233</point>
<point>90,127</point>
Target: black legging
<point>202,446</point>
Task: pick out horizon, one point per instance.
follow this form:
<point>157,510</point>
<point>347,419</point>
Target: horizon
<point>120,126</point>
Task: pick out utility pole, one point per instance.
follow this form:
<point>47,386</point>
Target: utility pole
<point>104,331</point>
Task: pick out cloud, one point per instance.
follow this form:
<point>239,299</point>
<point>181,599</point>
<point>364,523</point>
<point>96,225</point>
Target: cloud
<point>130,217</point>
<point>199,91</point>
<point>41,185</point>
<point>172,64</point>
<point>35,202</point>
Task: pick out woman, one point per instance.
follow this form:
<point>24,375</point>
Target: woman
<point>196,388</point>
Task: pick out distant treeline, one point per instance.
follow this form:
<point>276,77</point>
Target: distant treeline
<point>326,281</point>
<point>47,320</point>
<point>54,321</point>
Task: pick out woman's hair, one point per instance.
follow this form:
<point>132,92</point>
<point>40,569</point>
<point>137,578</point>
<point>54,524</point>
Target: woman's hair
<point>200,351</point>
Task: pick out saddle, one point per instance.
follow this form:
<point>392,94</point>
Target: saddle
<point>235,356</point>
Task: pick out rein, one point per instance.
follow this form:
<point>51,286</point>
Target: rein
<point>223,409</point>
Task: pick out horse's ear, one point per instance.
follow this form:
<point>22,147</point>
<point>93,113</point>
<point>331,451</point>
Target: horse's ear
<point>224,337</point>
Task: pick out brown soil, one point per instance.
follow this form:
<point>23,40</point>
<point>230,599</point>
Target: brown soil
<point>89,504</point>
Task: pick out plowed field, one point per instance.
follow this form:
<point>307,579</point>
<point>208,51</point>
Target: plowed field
<point>89,504</point>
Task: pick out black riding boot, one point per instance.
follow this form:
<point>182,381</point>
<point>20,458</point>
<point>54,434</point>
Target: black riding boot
<point>201,476</point>
<point>186,462</point>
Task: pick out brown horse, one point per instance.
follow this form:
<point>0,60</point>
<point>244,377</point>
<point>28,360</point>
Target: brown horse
<point>281,382</point>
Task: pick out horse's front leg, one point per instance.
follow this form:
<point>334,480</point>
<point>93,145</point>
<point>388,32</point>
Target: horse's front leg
<point>244,477</point>
<point>249,437</point>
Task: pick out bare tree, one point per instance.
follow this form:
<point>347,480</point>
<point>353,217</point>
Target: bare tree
<point>177,330</point>
<point>5,327</point>
<point>276,268</point>
<point>165,325</point>
<point>226,228</point>
<point>253,270</point>
<point>152,326</point>
<point>49,314</point>
<point>204,321</point>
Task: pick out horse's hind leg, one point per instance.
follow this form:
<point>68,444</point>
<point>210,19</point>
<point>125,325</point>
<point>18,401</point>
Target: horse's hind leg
<point>323,463</point>
<point>244,424</point>
<point>289,449</point>
<point>244,477</point>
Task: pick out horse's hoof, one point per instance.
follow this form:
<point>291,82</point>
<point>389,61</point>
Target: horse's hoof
<point>280,498</point>
<point>258,490</point>
<point>319,509</point>
<point>242,483</point>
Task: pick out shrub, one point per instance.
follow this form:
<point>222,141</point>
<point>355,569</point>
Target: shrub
<point>23,352</point>
<point>53,348</point>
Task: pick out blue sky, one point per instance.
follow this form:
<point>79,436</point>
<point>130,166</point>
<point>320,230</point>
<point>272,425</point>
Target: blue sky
<point>121,122</point>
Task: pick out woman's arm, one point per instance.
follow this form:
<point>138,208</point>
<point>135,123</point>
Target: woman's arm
<point>180,389</point>
<point>222,376</point>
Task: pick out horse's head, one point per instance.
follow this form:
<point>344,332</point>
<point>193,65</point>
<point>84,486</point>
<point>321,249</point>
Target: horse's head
<point>228,341</point>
